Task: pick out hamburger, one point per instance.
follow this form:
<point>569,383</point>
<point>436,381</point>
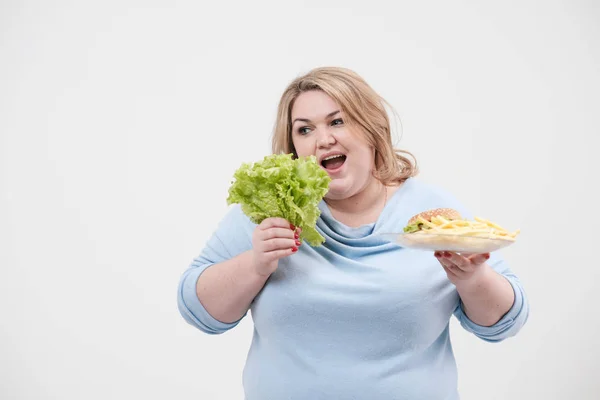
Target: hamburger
<point>415,224</point>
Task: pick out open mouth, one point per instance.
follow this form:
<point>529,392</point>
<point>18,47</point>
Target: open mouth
<point>333,162</point>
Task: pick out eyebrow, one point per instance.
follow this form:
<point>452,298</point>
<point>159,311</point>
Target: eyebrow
<point>331,114</point>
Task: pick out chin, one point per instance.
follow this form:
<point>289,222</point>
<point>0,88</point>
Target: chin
<point>337,190</point>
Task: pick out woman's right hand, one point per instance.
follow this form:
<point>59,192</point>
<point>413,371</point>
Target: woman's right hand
<point>273,238</point>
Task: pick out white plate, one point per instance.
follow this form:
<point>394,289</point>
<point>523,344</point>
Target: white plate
<point>441,242</point>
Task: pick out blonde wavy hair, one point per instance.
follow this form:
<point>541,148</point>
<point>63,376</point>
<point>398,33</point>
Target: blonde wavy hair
<point>364,112</point>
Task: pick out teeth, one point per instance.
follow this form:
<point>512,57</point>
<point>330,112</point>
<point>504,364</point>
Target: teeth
<point>332,157</point>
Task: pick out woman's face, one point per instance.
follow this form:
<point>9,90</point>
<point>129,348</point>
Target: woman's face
<point>318,129</point>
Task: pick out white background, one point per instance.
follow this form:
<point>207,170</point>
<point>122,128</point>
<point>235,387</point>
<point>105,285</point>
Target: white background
<point>122,123</point>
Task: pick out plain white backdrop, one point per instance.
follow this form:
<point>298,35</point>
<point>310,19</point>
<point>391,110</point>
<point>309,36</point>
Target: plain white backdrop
<point>121,124</point>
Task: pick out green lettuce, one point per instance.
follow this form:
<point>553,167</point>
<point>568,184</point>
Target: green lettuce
<point>284,187</point>
<point>413,227</point>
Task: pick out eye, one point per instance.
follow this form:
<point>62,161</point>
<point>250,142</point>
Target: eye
<point>303,130</point>
<point>337,121</point>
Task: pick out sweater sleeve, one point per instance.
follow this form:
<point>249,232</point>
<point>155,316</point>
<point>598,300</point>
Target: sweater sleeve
<point>231,238</point>
<point>512,322</point>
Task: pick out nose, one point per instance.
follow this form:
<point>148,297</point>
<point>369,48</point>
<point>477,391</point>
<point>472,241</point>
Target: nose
<point>325,138</point>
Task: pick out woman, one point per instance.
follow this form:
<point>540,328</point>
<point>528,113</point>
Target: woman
<point>357,317</point>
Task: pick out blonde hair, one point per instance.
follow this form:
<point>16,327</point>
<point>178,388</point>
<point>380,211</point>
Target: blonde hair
<point>363,109</point>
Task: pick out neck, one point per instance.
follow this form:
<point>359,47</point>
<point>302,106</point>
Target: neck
<point>366,203</point>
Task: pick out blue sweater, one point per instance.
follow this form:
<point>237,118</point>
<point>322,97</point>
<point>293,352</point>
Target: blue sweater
<point>356,318</point>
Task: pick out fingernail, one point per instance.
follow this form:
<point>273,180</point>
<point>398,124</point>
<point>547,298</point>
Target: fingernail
<point>292,227</point>
<point>296,236</point>
<point>294,249</point>
<point>447,254</point>
<point>437,254</point>
<point>298,243</point>
<point>487,256</point>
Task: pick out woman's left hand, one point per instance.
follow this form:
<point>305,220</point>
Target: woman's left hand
<point>461,268</point>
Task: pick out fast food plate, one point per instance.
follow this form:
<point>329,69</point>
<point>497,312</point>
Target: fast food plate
<point>448,242</point>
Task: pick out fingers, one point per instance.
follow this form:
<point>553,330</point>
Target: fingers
<point>452,258</point>
<point>275,222</point>
<point>460,261</point>
<point>277,254</point>
<point>458,266</point>
<point>277,238</point>
<point>451,272</point>
<point>468,263</point>
<point>279,244</point>
<point>446,263</point>
<point>451,269</point>
<point>278,228</point>
<point>274,233</point>
<point>479,258</point>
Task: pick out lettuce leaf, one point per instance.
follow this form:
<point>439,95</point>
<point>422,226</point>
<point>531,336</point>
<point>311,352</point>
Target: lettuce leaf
<point>413,227</point>
<point>280,186</point>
